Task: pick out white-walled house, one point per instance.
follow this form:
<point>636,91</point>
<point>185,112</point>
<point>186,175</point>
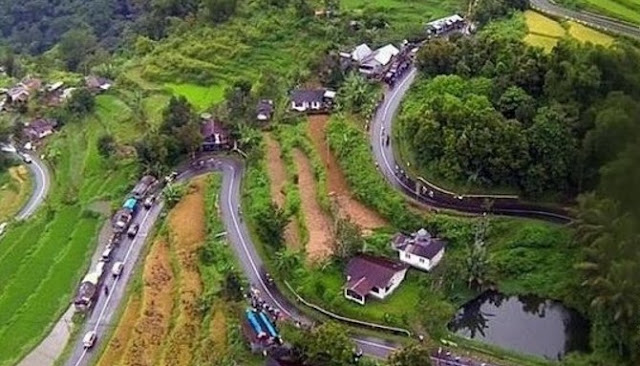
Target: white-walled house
<point>419,250</point>
<point>315,100</point>
<point>372,276</point>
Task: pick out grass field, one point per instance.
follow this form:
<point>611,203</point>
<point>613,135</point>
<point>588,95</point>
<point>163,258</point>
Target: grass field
<point>546,32</point>
<point>42,259</point>
<point>15,188</point>
<point>201,97</point>
<point>627,10</point>
<point>400,14</point>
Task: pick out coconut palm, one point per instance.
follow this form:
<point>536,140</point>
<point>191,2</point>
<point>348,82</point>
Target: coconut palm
<point>611,260</point>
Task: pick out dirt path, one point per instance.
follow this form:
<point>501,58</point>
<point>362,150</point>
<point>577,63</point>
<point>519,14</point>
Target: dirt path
<point>338,186</point>
<point>278,177</point>
<point>318,222</point>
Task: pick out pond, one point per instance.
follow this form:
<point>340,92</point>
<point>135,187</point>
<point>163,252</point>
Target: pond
<point>526,324</point>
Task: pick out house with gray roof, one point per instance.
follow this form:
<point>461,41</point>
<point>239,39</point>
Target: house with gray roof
<point>369,275</point>
<point>419,250</point>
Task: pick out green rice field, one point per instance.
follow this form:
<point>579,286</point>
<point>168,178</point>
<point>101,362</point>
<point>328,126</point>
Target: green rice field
<point>42,259</point>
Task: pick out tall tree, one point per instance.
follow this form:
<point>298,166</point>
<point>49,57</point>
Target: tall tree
<point>218,11</point>
<point>81,102</point>
<point>412,355</point>
<point>328,345</point>
<point>75,46</point>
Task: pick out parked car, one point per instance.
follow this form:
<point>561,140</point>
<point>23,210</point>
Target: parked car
<point>89,339</point>
<point>133,230</point>
<point>27,159</point>
<point>148,202</point>
<point>117,268</point>
<point>3,227</point>
<point>106,254</point>
<point>171,177</point>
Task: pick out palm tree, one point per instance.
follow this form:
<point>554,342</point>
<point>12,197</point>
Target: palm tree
<point>611,260</point>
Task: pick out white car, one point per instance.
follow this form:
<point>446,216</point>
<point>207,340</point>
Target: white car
<point>89,339</point>
<point>117,268</point>
<point>27,159</point>
<point>7,148</point>
<point>171,177</point>
<point>3,227</point>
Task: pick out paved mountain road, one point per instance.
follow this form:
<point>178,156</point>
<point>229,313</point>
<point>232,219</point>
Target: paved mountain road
<point>428,193</point>
<point>101,318</point>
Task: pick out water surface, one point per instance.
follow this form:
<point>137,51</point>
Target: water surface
<point>526,324</point>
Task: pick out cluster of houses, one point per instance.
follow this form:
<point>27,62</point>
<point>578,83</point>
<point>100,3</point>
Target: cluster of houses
<point>52,94</point>
<point>377,277</point>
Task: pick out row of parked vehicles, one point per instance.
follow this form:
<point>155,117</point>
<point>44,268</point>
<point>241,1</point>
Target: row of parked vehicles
<point>143,194</point>
<point>122,224</point>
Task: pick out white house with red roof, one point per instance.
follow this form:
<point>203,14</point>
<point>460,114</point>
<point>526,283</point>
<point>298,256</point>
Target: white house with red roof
<point>419,250</point>
<point>372,276</point>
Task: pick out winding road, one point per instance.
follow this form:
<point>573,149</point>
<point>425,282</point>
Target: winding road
<point>103,315</point>
<point>101,318</point>
<point>42,183</point>
<point>427,193</point>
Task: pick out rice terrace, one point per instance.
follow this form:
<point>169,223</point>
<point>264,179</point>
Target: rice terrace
<point>319,182</point>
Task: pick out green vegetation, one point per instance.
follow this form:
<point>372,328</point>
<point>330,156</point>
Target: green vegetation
<point>352,151</point>
<point>627,10</point>
<point>15,189</point>
<point>534,121</point>
<point>57,242</point>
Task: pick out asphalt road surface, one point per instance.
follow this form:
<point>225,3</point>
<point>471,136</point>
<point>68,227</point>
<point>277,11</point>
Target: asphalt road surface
<point>101,317</point>
<point>41,185</point>
<point>428,193</point>
<point>592,19</point>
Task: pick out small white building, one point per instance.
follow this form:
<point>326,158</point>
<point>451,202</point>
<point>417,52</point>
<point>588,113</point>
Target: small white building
<point>373,61</point>
<point>315,100</point>
<point>372,276</point>
<point>419,250</point>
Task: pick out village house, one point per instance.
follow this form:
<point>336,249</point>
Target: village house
<point>373,62</point>
<point>264,110</point>
<point>21,92</point>
<point>214,136</point>
<point>97,84</point>
<point>39,129</point>
<point>444,25</point>
<point>420,249</point>
<point>375,276</point>
<point>18,94</point>
<point>312,100</point>
<point>54,93</point>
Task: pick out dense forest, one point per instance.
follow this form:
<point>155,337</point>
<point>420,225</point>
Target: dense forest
<point>503,113</point>
<point>34,26</point>
<point>509,114</point>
